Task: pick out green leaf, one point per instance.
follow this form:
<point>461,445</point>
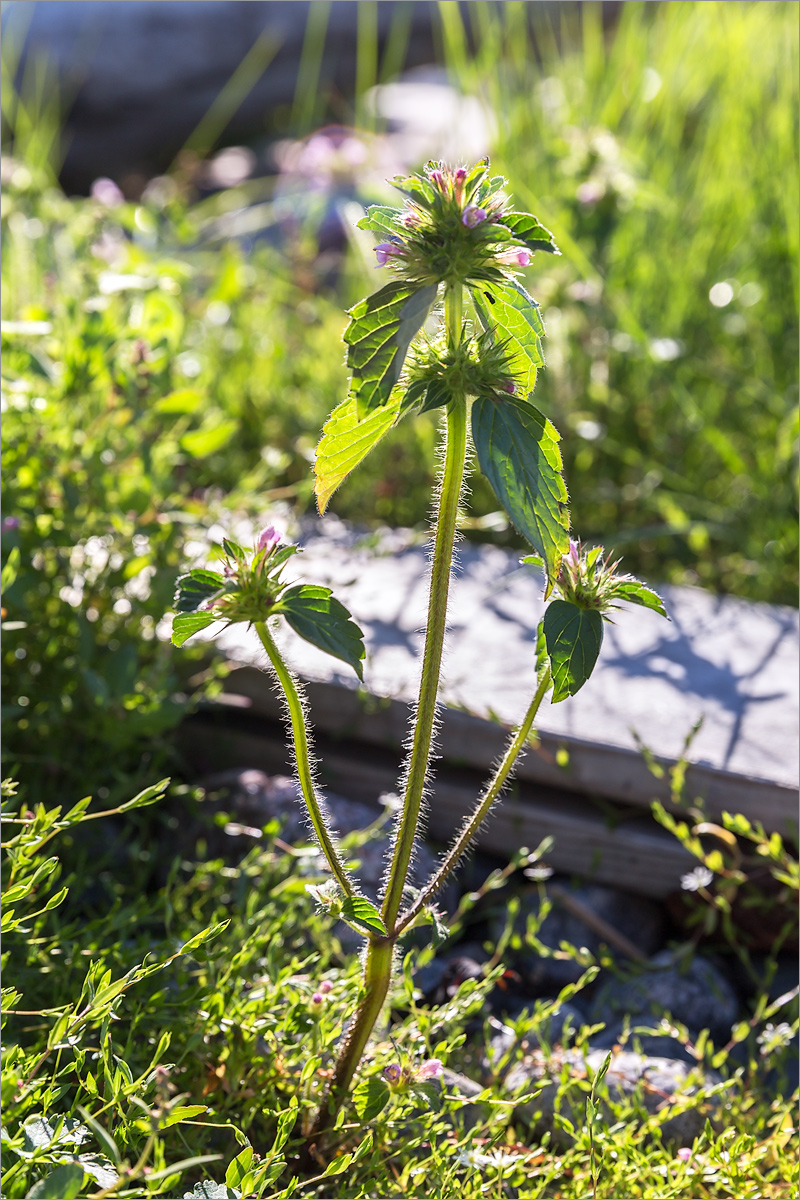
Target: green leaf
<point>186,400</point>
<point>346,441</point>
<point>440,932</point>
<point>418,188</point>
<point>205,935</point>
<point>513,316</point>
<point>518,452</point>
<point>475,176</point>
<point>320,619</point>
<point>187,624</point>
<point>363,915</point>
<point>429,1093</point>
<point>370,1097</point>
<point>381,218</point>
<point>542,657</point>
<point>573,637</point>
<point>194,588</point>
<point>239,1167</point>
<point>636,593</point>
<point>530,232</point>
<point>62,1184</point>
<point>378,336</point>
<point>202,442</point>
<point>149,796</point>
<point>183,1113</point>
<point>10,569</point>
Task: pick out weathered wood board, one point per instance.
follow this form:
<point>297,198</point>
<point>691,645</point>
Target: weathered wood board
<point>730,662</point>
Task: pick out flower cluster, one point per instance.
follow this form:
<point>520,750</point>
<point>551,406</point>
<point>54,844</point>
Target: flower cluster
<point>248,587</point>
<point>455,227</point>
<point>477,366</point>
<point>590,580</point>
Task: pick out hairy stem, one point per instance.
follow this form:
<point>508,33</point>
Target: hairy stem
<point>302,758</point>
<point>452,480</point>
<point>377,976</point>
<point>473,823</point>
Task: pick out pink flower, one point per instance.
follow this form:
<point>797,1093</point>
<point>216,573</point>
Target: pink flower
<point>508,387</point>
<point>515,258</point>
<point>392,1072</point>
<point>574,553</point>
<point>106,192</point>
<point>10,523</point>
<point>684,1154</point>
<point>458,182</point>
<point>326,986</point>
<point>387,250</point>
<point>317,998</point>
<point>268,538</point>
<point>473,215</point>
<point>430,1069</point>
<point>437,179</point>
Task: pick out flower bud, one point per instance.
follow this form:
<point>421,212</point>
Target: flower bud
<point>268,538</point>
<point>473,215</point>
<point>393,1072</point>
<point>317,999</point>
<point>430,1069</point>
<point>326,986</point>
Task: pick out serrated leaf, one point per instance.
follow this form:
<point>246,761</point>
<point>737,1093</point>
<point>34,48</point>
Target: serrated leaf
<point>62,1184</point>
<point>194,588</point>
<point>381,218</point>
<point>573,637</point>
<point>370,1097</point>
<point>363,915</point>
<point>420,189</point>
<point>530,232</point>
<point>346,441</point>
<point>514,318</point>
<point>380,331</point>
<point>636,593</point>
<point>319,618</point>
<point>518,452</point>
<point>187,624</point>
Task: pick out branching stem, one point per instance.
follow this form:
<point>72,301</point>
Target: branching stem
<point>473,822</point>
<point>301,751</point>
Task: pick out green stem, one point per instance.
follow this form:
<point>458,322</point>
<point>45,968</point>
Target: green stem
<point>377,976</point>
<point>452,480</point>
<point>473,823</point>
<point>302,757</point>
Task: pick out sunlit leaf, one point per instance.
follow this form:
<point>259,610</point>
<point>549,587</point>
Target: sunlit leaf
<point>380,331</point>
<point>319,618</point>
<point>362,913</point>
<point>370,1097</point>
<point>186,625</point>
<point>346,441</point>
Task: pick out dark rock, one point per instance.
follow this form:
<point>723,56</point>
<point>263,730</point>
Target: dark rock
<point>694,993</point>
<point>554,1030</point>
<point>659,1084</point>
<point>652,1044</point>
<point>636,918</point>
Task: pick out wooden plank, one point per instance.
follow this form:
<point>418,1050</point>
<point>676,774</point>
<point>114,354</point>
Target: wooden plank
<point>611,846</point>
<point>590,768</point>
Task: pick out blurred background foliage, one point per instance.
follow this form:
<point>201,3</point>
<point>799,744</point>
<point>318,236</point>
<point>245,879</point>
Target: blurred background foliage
<point>169,358</point>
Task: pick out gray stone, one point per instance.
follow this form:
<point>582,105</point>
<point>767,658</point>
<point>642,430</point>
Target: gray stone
<point>636,917</point>
<point>659,1084</point>
<point>531,1034</point>
<point>694,993</point>
<point>653,1045</point>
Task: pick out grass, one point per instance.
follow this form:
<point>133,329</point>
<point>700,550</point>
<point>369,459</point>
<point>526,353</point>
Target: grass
<point>156,384</point>
<point>157,1042</point>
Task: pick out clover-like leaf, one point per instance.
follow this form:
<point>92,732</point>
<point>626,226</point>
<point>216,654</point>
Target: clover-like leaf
<point>185,625</point>
<point>195,588</point>
<point>363,916</point>
<point>319,618</point>
<point>518,452</point>
<point>380,331</point>
<point>346,441</point>
<point>636,593</point>
<point>370,1097</point>
<point>573,637</point>
<point>513,316</point>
